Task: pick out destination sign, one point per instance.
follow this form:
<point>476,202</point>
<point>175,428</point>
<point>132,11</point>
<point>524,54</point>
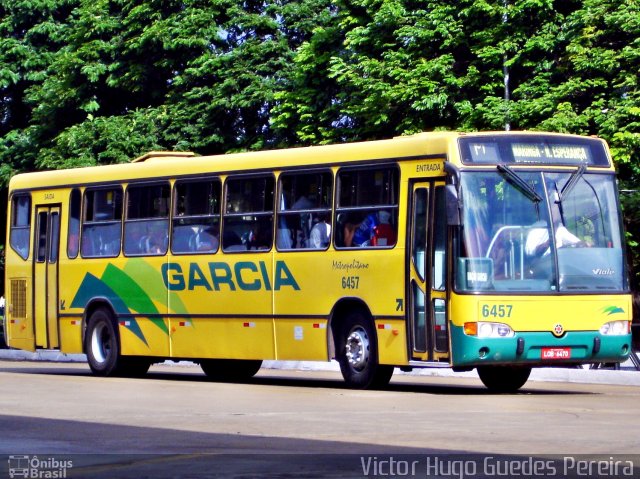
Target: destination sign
<point>533,149</point>
<point>532,153</point>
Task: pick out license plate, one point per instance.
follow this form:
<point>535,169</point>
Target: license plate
<point>556,353</point>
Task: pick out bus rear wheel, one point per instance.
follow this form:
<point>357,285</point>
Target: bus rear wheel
<point>101,344</point>
<point>358,354</point>
<point>103,349</point>
<point>504,379</point>
<point>230,369</point>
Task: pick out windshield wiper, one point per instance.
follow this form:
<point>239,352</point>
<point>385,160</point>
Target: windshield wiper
<point>571,182</point>
<point>522,185</point>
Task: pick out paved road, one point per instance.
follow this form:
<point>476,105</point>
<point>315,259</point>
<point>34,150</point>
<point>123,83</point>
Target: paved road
<point>175,423</point>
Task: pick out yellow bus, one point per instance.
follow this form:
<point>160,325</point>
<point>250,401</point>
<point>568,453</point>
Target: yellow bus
<point>500,251</point>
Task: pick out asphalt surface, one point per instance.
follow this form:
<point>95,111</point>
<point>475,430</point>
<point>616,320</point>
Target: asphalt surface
<point>285,424</point>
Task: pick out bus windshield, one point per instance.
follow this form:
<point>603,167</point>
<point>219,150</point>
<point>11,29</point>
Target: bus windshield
<point>526,231</point>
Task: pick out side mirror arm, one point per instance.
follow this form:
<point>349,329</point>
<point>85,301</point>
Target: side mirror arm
<point>453,198</point>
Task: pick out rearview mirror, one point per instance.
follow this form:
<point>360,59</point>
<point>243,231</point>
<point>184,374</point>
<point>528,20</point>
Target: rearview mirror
<point>453,206</point>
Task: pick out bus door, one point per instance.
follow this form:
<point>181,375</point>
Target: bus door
<point>427,277</point>
<point>45,282</point>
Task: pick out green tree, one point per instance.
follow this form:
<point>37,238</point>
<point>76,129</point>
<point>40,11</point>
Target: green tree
<point>31,33</point>
<point>221,99</point>
<point>374,68</point>
<point>101,97</point>
<point>307,108</point>
<point>388,67</point>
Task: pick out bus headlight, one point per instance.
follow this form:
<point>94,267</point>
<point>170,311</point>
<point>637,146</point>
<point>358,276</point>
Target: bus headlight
<point>483,329</point>
<point>615,328</point>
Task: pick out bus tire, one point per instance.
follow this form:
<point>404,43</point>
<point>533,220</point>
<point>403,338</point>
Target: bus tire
<point>358,354</point>
<point>504,379</point>
<point>230,369</point>
<point>101,344</point>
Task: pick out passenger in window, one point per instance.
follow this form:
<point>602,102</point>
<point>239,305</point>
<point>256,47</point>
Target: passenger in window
<point>301,233</point>
<point>320,233</point>
<point>207,239</point>
<point>384,234</point>
<point>364,231</point>
<point>155,242</point>
<point>109,242</point>
<point>373,230</point>
<point>284,237</point>
<point>133,238</point>
<point>349,230</point>
<point>258,238</point>
<point>302,203</point>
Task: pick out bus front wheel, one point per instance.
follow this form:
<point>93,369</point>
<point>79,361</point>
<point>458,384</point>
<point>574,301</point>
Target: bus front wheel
<point>358,354</point>
<point>504,379</point>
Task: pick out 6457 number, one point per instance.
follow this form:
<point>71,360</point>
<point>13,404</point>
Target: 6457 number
<point>350,282</point>
<point>496,310</point>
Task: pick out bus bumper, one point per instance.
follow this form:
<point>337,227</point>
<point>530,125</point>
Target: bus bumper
<point>539,349</point>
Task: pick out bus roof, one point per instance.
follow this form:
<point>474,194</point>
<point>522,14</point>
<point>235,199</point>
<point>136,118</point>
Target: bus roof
<point>174,164</point>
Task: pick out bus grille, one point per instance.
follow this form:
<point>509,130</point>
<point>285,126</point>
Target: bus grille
<point>19,298</point>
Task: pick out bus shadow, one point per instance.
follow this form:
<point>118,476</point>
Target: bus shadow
<point>423,385</point>
<point>448,388</point>
<point>419,384</point>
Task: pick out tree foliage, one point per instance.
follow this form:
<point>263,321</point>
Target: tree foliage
<point>86,82</point>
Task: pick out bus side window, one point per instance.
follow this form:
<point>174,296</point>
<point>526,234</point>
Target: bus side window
<point>146,226</point>
<point>248,219</point>
<point>20,225</point>
<point>367,209</point>
<point>102,222</point>
<point>196,216</point>
<point>304,211</point>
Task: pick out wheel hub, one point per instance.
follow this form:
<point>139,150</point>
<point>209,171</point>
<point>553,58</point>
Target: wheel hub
<point>357,349</point>
<point>100,345</point>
